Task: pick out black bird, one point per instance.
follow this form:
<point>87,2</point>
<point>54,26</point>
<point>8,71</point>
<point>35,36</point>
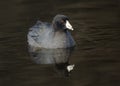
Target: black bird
<point>51,36</point>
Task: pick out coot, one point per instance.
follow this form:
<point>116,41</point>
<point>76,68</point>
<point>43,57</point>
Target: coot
<point>51,36</point>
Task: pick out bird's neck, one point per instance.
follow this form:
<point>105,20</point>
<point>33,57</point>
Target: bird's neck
<point>58,29</point>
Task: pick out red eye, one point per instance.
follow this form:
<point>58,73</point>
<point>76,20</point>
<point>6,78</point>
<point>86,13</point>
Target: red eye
<point>62,21</point>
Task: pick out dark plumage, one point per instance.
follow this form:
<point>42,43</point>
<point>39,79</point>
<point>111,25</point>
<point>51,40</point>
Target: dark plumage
<point>55,35</point>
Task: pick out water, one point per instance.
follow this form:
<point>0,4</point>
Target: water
<point>97,34</point>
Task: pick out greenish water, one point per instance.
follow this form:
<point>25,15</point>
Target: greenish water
<point>97,34</point>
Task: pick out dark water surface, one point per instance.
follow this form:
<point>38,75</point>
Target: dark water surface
<point>97,34</point>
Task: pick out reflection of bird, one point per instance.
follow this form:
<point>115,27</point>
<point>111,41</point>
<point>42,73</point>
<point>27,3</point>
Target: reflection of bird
<point>55,35</point>
<point>60,57</point>
<point>65,68</point>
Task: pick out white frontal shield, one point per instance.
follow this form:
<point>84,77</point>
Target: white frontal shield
<point>68,25</point>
